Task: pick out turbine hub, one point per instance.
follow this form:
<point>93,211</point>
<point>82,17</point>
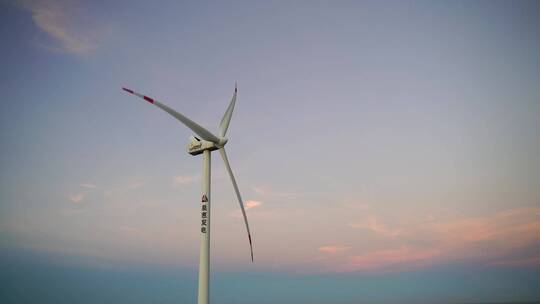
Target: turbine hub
<point>222,141</point>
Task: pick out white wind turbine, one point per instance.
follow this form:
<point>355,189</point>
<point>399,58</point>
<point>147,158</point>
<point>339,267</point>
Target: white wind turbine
<point>207,143</point>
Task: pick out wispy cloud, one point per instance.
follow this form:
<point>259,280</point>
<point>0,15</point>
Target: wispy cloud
<point>497,239</point>
<point>57,18</point>
<point>333,249</point>
<point>249,204</point>
<point>80,196</point>
<point>184,179</point>
<point>77,198</point>
<point>387,257</point>
<point>510,228</point>
<point>372,223</point>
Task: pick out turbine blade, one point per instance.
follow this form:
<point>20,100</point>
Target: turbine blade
<point>202,132</point>
<point>224,125</point>
<point>226,161</point>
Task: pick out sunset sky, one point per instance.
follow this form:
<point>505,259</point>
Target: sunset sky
<point>387,152</point>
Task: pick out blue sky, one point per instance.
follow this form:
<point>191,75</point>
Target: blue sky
<point>374,142</point>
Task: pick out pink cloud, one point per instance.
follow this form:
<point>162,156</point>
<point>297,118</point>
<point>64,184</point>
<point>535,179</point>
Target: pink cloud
<point>506,229</point>
<point>380,258</point>
<point>59,20</point>
<point>249,204</point>
<point>77,198</point>
<point>333,249</point>
<point>371,223</point>
<point>490,240</point>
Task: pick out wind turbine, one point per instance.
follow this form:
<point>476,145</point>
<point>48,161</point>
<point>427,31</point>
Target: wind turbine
<point>204,145</point>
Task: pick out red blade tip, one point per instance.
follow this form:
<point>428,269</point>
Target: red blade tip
<point>150,100</point>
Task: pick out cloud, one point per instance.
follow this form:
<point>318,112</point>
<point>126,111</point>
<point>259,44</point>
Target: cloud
<point>249,204</point>
<point>77,198</point>
<point>333,249</point>
<point>372,223</point>
<point>503,230</point>
<point>388,257</point>
<point>501,238</point>
<point>58,19</point>
<point>183,179</point>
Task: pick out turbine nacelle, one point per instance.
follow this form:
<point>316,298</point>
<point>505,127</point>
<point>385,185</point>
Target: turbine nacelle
<point>196,146</point>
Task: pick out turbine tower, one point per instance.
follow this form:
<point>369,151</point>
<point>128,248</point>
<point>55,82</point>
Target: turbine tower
<point>204,145</point>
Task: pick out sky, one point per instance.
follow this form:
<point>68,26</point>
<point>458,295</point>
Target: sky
<point>387,151</point>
